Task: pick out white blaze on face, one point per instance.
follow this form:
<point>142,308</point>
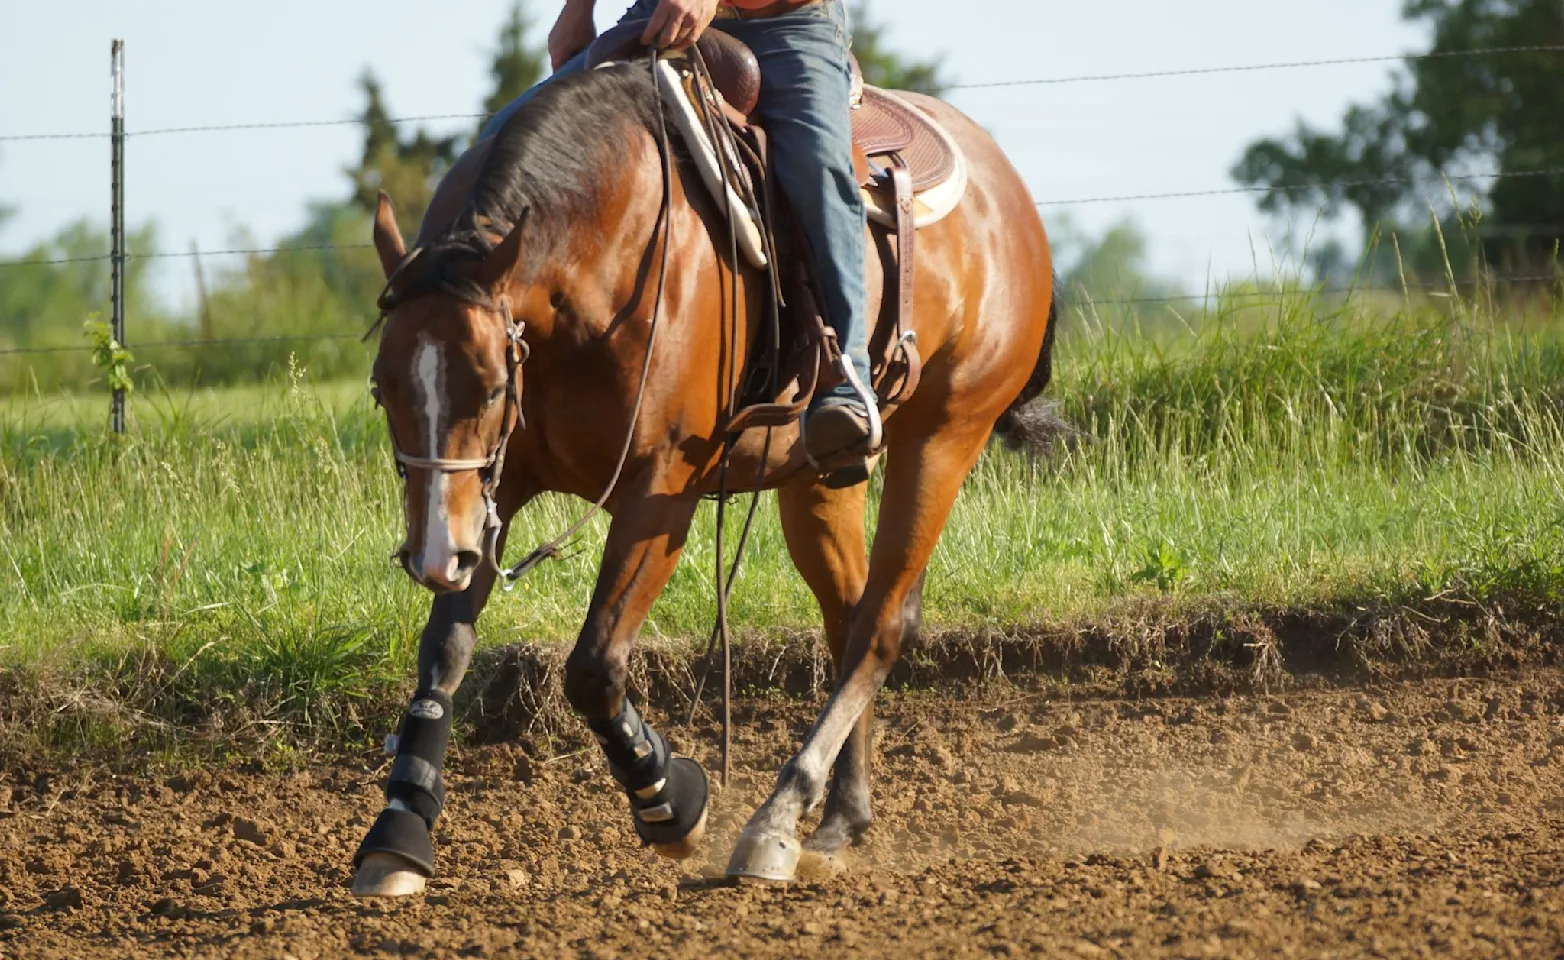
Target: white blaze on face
<point>439,552</point>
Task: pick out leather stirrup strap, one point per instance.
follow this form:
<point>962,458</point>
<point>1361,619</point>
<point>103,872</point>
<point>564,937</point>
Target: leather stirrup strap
<point>901,179</point>
<point>782,414</point>
<point>905,347</point>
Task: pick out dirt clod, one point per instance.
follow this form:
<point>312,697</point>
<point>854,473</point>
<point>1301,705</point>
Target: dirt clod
<point>66,899</point>
<point>250,831</point>
<point>169,909</point>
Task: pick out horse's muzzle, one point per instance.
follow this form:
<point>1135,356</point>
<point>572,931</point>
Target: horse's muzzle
<point>447,573</point>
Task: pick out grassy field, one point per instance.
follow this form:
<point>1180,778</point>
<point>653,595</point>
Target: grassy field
<point>1285,453</point>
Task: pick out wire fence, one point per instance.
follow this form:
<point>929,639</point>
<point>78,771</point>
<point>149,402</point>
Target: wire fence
<point>981,85</point>
<point>1326,187</point>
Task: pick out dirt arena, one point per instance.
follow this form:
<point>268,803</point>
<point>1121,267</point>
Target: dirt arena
<point>1424,819</point>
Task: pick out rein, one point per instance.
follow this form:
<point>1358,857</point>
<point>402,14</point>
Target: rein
<point>492,466</point>
<point>550,549</point>
<point>517,351</point>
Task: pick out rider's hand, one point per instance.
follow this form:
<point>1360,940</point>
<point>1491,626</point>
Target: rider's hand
<point>679,23</point>
<point>573,32</point>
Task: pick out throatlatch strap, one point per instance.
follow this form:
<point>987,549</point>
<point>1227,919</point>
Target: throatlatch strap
<point>420,755</point>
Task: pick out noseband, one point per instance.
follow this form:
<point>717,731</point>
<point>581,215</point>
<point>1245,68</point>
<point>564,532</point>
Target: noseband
<point>517,352</point>
<point>489,468</point>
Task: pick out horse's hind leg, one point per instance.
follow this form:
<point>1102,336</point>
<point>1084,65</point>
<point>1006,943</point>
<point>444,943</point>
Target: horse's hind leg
<point>922,478</point>
<point>824,531</point>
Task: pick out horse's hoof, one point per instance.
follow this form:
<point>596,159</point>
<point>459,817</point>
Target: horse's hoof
<point>685,847</point>
<point>770,857</point>
<point>387,875</point>
<point>680,811</point>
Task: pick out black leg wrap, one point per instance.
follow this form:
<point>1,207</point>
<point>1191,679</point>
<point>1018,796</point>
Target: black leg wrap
<point>667,794</point>
<point>400,832</point>
<point>672,813</point>
<point>420,756</point>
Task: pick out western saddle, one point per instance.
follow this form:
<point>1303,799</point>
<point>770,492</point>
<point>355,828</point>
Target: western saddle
<point>911,172</point>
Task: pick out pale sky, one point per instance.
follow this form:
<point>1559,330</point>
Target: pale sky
<point>197,62</point>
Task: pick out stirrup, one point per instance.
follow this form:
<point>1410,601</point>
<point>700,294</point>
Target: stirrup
<point>871,403</point>
<point>851,465</point>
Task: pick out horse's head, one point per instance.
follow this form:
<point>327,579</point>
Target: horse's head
<point>448,375</point>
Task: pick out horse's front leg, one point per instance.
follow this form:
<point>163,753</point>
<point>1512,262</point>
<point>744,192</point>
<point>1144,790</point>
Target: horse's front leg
<point>667,794</point>
<point>397,855</point>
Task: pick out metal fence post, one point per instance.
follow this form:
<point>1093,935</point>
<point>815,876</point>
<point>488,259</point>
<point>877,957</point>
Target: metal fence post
<point>117,217</point>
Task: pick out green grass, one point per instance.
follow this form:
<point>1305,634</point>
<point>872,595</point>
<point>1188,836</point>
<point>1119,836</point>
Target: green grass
<point>230,556</point>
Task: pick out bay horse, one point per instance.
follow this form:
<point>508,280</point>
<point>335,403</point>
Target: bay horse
<point>563,241</point>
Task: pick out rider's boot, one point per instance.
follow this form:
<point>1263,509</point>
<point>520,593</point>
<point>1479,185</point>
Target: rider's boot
<point>842,427</point>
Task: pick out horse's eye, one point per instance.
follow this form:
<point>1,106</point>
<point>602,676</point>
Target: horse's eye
<point>494,396</point>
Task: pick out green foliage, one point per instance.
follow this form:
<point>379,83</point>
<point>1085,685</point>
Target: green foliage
<point>406,165</point>
<point>1164,567</point>
<point>1283,451</point>
<point>1444,115</point>
<point>518,64</point>
<point>42,305</point>
<point>1110,267</point>
<point>884,67</point>
<point>109,355</point>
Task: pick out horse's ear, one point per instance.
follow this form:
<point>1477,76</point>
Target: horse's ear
<point>388,237</point>
<point>504,261</point>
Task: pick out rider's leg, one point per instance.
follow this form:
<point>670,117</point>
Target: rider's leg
<point>640,10</point>
<point>805,106</point>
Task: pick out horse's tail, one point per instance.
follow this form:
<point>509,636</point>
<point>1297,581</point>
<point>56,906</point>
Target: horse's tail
<point>1028,424</point>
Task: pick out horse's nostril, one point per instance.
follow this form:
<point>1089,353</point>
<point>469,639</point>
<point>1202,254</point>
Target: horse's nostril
<point>467,561</point>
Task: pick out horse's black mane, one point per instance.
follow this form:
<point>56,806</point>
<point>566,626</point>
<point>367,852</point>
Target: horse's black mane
<point>552,159</point>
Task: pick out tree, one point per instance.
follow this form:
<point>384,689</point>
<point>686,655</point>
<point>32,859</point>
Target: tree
<point>406,168</point>
<point>884,67</point>
<point>1410,157</point>
<point>1107,269</point>
<point>517,65</point>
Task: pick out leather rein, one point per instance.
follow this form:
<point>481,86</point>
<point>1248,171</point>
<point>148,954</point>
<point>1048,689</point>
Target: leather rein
<point>491,467</point>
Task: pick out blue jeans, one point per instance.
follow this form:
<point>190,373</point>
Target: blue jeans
<point>805,106</point>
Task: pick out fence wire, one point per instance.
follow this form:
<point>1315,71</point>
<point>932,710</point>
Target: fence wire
<point>1220,296</point>
<point>1323,186</point>
<point>1255,67</point>
<point>979,85</point>
<point>1209,296</point>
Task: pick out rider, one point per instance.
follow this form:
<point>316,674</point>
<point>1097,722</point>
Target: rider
<point>805,105</point>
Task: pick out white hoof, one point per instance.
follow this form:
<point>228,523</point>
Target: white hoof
<point>387,875</point>
<point>769,857</point>
<point>685,848</point>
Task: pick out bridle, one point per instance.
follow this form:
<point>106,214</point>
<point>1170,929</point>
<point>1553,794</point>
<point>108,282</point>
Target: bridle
<point>491,467</point>
<point>516,354</point>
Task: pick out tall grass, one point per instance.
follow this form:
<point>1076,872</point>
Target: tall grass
<point>1285,452</point>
